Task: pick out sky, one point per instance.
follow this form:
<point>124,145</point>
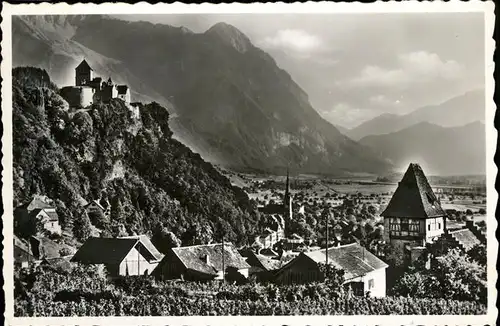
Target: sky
<point>355,67</point>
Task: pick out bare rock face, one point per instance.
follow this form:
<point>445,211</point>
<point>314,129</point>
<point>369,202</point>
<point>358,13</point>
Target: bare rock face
<point>231,36</point>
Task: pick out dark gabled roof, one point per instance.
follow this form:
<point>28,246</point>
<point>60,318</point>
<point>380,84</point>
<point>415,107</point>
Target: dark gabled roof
<point>96,202</point>
<point>269,252</point>
<point>148,244</point>
<point>272,209</point>
<point>263,262</point>
<point>122,89</point>
<point>414,197</point>
<point>353,259</point>
<point>83,66</point>
<point>104,250</point>
<point>466,238</point>
<point>193,257</point>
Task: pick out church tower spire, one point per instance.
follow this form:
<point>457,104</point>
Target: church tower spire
<point>287,199</point>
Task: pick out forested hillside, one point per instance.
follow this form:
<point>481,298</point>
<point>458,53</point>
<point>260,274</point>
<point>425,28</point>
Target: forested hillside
<point>151,181</point>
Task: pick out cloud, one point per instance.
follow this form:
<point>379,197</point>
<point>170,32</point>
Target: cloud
<point>296,41</point>
<point>415,67</point>
<point>384,101</point>
<point>347,115</point>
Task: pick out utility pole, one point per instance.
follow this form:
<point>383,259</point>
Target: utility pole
<point>327,238</point>
<point>138,259</point>
<point>223,262</point>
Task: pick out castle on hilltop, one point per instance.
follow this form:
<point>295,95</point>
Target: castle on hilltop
<point>90,89</point>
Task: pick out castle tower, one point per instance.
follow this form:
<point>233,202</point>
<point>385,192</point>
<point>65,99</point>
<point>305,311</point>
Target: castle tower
<point>83,74</point>
<point>414,216</point>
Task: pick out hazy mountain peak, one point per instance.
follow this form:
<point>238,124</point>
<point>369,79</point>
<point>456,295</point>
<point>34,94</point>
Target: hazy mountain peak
<point>230,35</point>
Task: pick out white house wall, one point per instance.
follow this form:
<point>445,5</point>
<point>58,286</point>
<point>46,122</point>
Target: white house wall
<point>378,277</point>
<point>135,264</point>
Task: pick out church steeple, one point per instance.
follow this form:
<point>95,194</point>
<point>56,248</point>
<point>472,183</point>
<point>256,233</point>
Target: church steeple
<point>287,199</point>
<point>287,189</point>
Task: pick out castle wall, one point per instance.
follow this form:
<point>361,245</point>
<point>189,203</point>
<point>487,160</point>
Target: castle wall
<point>77,96</point>
<point>87,96</point>
<point>125,97</point>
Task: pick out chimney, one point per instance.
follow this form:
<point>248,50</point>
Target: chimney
<point>469,223</point>
<point>206,259</point>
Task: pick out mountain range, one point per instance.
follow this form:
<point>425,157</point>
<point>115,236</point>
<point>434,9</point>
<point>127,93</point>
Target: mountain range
<point>229,101</point>
<point>458,111</point>
<point>447,150</point>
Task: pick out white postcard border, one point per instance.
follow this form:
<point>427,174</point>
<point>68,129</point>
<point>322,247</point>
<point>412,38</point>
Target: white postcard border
<point>321,8</point>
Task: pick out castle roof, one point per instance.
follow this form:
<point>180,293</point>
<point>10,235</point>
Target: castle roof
<point>83,66</point>
<point>122,89</point>
<point>414,197</point>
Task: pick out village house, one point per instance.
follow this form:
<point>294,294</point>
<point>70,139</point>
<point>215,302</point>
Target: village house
<point>414,216</point>
<point>263,268</point>
<point>89,89</point>
<point>202,262</point>
<point>269,238</point>
<point>39,215</point>
<point>134,255</point>
<point>363,271</point>
<point>23,256</point>
<point>95,207</point>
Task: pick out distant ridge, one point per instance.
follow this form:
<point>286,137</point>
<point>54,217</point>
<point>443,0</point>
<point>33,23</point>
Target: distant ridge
<point>455,112</point>
<point>447,151</point>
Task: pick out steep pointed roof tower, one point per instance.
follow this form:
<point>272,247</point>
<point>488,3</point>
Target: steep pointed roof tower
<point>414,197</point>
<point>83,66</point>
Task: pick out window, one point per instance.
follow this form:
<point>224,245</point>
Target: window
<point>439,226</point>
<point>404,226</point>
<point>428,227</point>
<point>371,284</point>
<point>414,226</point>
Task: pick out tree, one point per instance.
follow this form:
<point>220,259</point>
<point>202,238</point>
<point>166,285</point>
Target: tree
<point>99,219</point>
<point>81,226</point>
<point>164,239</point>
<point>117,211</point>
<point>478,254</point>
<point>334,278</point>
<point>452,276</point>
